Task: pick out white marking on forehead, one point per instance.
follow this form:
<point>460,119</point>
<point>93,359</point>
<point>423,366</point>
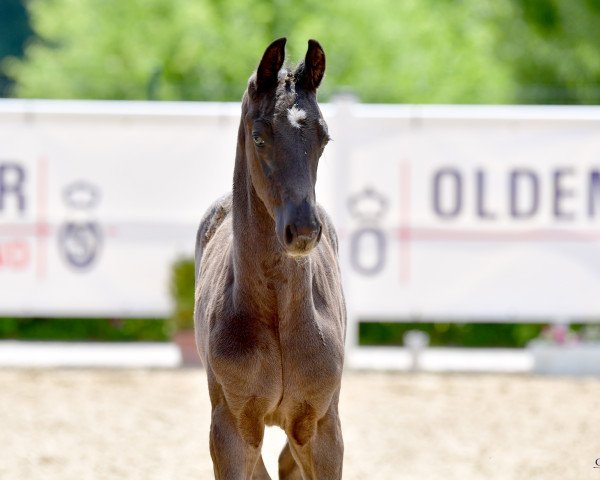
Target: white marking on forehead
<point>282,74</point>
<point>295,116</point>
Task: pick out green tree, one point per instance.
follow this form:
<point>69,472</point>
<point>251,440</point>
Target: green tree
<point>138,49</point>
<point>387,51</point>
<point>426,51</point>
<point>553,47</point>
<point>14,33</point>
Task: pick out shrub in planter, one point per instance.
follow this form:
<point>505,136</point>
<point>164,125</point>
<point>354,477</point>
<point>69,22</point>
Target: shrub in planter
<point>182,318</point>
<point>567,351</point>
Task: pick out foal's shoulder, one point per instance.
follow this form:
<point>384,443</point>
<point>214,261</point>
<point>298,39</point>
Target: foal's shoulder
<point>209,224</point>
<point>328,228</point>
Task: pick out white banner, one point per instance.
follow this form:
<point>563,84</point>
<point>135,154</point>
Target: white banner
<point>473,213</point>
<point>443,212</point>
<point>97,200</point>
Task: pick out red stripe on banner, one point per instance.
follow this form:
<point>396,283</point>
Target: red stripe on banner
<point>41,229</point>
<point>18,229</point>
<point>404,232</point>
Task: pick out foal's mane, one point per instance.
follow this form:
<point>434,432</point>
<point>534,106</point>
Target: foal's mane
<point>287,89</point>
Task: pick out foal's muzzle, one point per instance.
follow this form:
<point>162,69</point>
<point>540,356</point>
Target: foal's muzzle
<point>298,228</point>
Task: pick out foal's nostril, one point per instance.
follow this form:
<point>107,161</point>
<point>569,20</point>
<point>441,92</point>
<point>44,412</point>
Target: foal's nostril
<point>289,235</point>
<point>301,235</point>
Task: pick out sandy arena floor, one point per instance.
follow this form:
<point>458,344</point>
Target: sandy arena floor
<point>139,424</point>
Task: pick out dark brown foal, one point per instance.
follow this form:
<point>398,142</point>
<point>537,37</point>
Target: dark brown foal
<point>269,313</point>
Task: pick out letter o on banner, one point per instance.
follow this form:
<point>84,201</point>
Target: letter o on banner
<point>357,250</point>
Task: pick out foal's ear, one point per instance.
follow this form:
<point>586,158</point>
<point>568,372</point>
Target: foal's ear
<point>271,63</point>
<point>310,72</point>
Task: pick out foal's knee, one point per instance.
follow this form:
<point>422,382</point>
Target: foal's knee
<point>304,424</point>
<point>251,422</point>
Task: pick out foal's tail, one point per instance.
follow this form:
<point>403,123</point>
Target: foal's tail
<point>211,220</point>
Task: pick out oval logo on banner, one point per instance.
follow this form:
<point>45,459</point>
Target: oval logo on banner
<point>79,243</point>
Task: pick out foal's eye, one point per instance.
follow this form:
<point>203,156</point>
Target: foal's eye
<point>258,141</point>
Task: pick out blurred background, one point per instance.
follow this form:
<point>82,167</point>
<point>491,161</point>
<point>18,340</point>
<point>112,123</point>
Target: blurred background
<point>464,180</point>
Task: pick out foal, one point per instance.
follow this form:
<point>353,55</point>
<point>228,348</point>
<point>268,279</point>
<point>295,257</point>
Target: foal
<point>269,309</point>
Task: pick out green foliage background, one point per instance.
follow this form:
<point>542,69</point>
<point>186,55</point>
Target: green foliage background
<point>507,335</point>
<point>90,329</point>
<point>414,51</point>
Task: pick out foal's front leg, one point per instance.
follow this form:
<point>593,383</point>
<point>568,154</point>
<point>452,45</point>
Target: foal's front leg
<point>235,445</point>
<point>288,468</point>
<point>317,447</point>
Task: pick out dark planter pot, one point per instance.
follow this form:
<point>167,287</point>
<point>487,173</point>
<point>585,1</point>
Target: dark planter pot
<point>186,341</point>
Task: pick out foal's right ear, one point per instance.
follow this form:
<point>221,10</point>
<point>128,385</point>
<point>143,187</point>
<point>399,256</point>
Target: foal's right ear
<point>271,63</point>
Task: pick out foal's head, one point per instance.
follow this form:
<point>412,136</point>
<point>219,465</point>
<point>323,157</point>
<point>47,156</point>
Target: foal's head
<point>284,136</point>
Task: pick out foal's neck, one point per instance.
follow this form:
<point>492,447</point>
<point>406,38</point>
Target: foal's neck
<point>264,275</point>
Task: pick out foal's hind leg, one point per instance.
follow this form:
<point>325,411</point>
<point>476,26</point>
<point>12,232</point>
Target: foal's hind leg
<point>288,468</point>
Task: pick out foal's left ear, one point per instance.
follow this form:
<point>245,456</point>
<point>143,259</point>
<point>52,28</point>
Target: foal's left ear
<point>271,63</point>
<point>310,72</point>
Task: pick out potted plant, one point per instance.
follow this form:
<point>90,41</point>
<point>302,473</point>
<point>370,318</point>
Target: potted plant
<point>560,350</point>
<point>182,318</point>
